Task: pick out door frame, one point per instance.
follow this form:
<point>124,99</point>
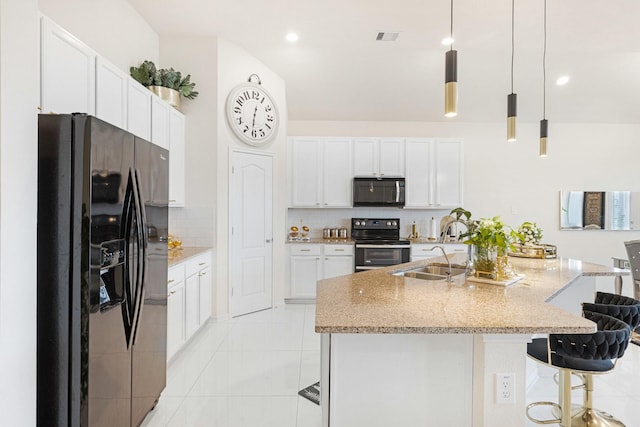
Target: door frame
<point>232,152</point>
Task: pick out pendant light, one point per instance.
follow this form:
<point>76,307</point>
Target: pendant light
<point>544,124</point>
<point>451,77</point>
<point>512,98</point>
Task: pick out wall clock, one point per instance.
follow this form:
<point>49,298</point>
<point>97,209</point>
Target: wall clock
<point>252,112</point>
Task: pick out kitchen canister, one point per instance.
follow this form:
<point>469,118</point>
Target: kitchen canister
<point>343,233</point>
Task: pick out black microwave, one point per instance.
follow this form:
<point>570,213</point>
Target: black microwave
<point>378,192</point>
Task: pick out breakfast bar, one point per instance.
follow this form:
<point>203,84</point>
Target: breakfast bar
<point>399,350</point>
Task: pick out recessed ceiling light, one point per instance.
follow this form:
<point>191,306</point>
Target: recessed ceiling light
<point>292,37</point>
<point>447,41</point>
<point>562,80</point>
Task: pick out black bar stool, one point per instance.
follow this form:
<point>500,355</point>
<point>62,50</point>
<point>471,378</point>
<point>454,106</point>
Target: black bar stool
<point>579,354</point>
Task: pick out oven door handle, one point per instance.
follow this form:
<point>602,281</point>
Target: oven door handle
<point>383,246</point>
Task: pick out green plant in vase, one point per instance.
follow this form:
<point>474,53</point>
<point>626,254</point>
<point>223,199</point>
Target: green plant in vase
<point>491,239</point>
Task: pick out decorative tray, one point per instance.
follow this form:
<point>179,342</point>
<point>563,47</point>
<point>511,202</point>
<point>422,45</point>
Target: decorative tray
<point>542,251</point>
<point>504,283</point>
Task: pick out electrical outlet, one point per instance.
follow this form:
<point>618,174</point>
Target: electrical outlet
<point>505,388</point>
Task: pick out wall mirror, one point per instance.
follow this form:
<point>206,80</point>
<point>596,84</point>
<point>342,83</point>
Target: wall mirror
<point>599,210</point>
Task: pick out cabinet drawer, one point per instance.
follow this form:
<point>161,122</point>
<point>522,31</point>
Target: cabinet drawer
<point>175,275</point>
<point>197,263</point>
<point>338,249</point>
<point>306,249</point>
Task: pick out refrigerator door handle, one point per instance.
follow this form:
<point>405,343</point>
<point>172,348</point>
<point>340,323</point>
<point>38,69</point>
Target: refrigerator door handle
<point>142,241</point>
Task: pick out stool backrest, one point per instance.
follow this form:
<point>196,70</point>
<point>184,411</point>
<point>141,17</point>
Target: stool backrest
<point>633,253</point>
<point>609,342</point>
<point>618,306</point>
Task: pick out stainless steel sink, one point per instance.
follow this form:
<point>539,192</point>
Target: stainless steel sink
<point>432,272</point>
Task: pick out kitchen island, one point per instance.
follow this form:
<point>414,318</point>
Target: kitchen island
<point>405,351</point>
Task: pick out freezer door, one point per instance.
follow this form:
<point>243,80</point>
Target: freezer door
<point>150,337</point>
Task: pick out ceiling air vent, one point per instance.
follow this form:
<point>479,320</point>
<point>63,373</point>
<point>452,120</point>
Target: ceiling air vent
<point>387,36</point>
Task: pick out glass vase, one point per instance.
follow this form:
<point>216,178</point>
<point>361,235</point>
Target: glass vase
<point>484,261</point>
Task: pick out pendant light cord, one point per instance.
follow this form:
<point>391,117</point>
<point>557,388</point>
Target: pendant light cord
<point>544,65</point>
<point>451,29</point>
<point>512,42</point>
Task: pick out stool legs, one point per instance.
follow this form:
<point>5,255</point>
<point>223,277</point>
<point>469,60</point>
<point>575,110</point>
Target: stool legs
<point>590,417</point>
<point>565,403</point>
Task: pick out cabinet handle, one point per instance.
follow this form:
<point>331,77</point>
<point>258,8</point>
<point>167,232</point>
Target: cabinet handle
<point>172,200</point>
<point>305,250</point>
<point>170,281</point>
<point>171,293</point>
<point>318,204</point>
<point>202,274</point>
<point>317,258</point>
<point>339,250</point>
<point>202,263</point>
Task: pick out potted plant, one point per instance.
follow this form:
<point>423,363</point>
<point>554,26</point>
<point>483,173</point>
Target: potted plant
<point>167,83</point>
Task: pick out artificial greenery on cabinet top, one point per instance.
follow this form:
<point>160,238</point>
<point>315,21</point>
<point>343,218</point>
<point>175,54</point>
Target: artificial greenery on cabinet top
<point>148,75</point>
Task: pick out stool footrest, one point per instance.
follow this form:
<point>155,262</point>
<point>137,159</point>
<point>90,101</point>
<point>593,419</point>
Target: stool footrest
<point>537,421</point>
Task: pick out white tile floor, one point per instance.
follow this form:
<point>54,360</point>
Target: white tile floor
<point>247,371</point>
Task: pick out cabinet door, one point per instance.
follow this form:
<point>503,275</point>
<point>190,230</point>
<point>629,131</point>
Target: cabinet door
<point>448,185</point>
<point>391,157</point>
<point>306,167</point>
<point>305,273</point>
<point>419,173</point>
<point>138,110</point>
<point>337,176</point>
<point>111,93</point>
<point>160,118</point>
<point>176,159</point>
<point>205,295</point>
<point>175,319</point>
<point>365,157</point>
<point>334,266</point>
<point>68,73</point>
<point>192,305</point>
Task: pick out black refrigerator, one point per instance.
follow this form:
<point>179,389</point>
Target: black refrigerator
<point>102,273</point>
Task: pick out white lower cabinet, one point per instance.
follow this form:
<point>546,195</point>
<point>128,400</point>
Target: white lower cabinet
<point>312,262</point>
<point>189,300</point>
<point>175,310</point>
<point>425,250</point>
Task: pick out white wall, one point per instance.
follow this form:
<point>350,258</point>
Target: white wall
<point>512,181</point>
<point>194,223</point>
<point>19,94</point>
<point>113,28</point>
<point>234,67</point>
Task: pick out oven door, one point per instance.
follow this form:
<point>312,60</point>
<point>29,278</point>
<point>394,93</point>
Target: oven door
<point>372,256</point>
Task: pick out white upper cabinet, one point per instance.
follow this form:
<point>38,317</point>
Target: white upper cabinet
<point>449,183</point>
<point>160,122</point>
<point>433,173</point>
<point>67,70</point>
<point>419,174</point>
<point>111,93</point>
<point>139,110</point>
<point>176,159</point>
<point>320,172</point>
<point>380,157</point>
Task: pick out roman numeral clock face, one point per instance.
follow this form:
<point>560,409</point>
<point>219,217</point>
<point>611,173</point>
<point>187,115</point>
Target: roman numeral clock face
<point>252,114</point>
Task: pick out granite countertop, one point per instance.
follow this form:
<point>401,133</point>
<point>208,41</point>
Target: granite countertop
<point>378,302</point>
<point>176,257</point>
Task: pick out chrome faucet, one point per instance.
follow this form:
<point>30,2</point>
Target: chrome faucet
<point>445,257</point>
<point>447,227</point>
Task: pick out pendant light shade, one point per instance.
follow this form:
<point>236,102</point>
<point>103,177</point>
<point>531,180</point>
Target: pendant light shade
<point>451,84</point>
<point>544,127</point>
<point>451,77</point>
<point>512,98</point>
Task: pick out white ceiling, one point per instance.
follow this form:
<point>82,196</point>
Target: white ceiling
<point>338,71</point>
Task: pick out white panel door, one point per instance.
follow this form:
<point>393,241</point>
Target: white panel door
<point>68,72</point>
<point>337,176</point>
<point>139,110</point>
<point>111,93</point>
<point>251,221</point>
<point>306,169</point>
<point>177,152</point>
<point>419,173</point>
<point>391,157</point>
<point>160,119</point>
<point>448,186</point>
<point>365,157</point>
